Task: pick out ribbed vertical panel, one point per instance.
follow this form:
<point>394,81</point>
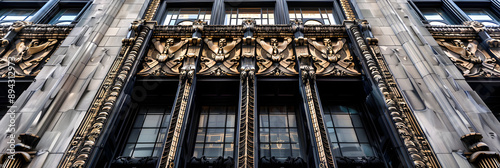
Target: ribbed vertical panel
<point>281,12</point>
<point>452,7</point>
<point>496,4</point>
<point>218,13</point>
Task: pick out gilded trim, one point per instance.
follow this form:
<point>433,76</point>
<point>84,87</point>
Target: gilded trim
<point>89,131</point>
<point>247,119</point>
<point>152,8</point>
<point>349,13</point>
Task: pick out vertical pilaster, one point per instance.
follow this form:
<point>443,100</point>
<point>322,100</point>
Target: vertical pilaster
<point>322,151</point>
<point>246,138</point>
<point>44,11</point>
<point>179,116</point>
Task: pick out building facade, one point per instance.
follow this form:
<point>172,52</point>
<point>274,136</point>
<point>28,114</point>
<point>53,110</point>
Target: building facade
<point>257,83</point>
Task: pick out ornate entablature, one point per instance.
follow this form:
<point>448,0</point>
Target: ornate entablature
<point>272,48</point>
<point>30,48</point>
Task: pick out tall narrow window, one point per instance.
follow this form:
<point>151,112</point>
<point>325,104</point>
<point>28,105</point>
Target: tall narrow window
<point>65,16</point>
<point>186,16</point>
<point>485,16</point>
<point>9,16</point>
<point>216,132</point>
<point>262,16</point>
<point>149,130</point>
<point>313,16</point>
<point>278,132</point>
<point>347,135</point>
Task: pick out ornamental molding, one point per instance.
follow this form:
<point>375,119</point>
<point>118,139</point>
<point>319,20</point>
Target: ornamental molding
<point>409,129</point>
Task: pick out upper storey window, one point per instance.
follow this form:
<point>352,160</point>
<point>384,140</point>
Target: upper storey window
<point>346,131</point>
<point>9,16</point>
<point>485,16</point>
<point>313,16</point>
<point>262,16</point>
<point>186,16</point>
<point>216,132</point>
<point>65,16</point>
<point>436,16</point>
<point>149,130</point>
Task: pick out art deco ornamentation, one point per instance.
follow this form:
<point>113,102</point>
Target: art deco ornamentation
<point>220,58</point>
<point>403,118</point>
<point>28,56</point>
<point>470,58</point>
<point>164,57</point>
<point>332,58</point>
<point>181,108</point>
<point>90,129</point>
<point>275,58</point>
<point>247,119</point>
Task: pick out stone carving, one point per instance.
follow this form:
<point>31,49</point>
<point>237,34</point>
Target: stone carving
<point>27,56</point>
<point>220,58</point>
<point>164,57</point>
<point>332,58</point>
<point>275,58</point>
<point>470,58</point>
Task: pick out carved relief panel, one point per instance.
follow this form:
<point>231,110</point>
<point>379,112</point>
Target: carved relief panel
<point>332,57</point>
<point>26,56</point>
<point>220,57</point>
<point>164,57</point>
<point>275,57</point>
<point>470,58</point>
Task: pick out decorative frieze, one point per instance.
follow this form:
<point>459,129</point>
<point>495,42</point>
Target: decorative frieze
<point>275,58</point>
<point>27,56</point>
<point>164,57</point>
<point>220,58</point>
<point>470,58</point>
<point>332,58</point>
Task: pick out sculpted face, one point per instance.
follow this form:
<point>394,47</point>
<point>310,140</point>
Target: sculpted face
<point>327,41</point>
<point>274,41</point>
<point>170,41</point>
<point>222,42</point>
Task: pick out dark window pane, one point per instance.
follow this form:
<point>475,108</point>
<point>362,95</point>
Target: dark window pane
<point>264,121</point>
<point>215,135</point>
<point>216,120</point>
<point>264,135</point>
<point>280,150</point>
<point>139,120</point>
<point>152,120</point>
<point>230,121</point>
<point>328,120</point>
<point>147,135</point>
<point>346,135</point>
<point>129,148</point>
<point>351,149</point>
<point>356,121</point>
<point>200,136</point>
<point>229,135</point>
<point>279,135</point>
<point>264,150</point>
<point>294,135</point>
<point>361,135</point>
<point>203,120</point>
<point>133,135</point>
<point>228,150</point>
<point>333,136</point>
<point>213,150</point>
<point>143,150</point>
<point>341,120</point>
<point>198,150</point>
<point>367,149</point>
<point>296,150</point>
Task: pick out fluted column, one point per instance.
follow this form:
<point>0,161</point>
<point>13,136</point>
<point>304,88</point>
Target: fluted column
<point>218,13</point>
<point>281,12</point>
